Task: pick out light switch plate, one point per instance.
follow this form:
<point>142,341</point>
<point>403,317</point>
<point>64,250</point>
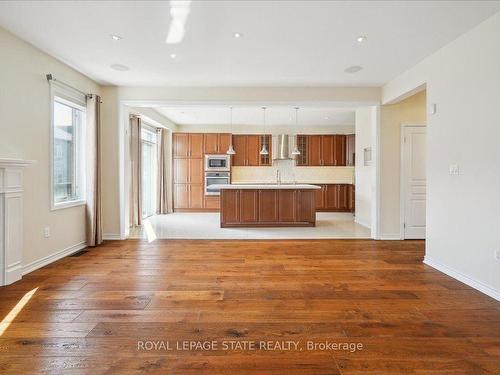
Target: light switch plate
<point>454,169</point>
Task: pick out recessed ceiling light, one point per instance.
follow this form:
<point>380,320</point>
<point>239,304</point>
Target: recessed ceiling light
<point>237,35</point>
<point>327,118</point>
<point>353,69</point>
<point>173,55</point>
<point>120,67</point>
<point>361,39</point>
<point>116,37</point>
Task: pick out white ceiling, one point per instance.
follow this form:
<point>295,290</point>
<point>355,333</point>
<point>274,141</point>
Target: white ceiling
<point>284,43</point>
<point>253,116</point>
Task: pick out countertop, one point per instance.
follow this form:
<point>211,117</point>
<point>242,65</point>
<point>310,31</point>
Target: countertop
<point>264,186</point>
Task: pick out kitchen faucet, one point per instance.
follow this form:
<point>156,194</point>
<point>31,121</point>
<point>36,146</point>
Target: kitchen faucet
<point>278,177</point>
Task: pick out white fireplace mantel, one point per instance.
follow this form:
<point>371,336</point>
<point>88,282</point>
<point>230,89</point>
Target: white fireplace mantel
<point>11,219</point>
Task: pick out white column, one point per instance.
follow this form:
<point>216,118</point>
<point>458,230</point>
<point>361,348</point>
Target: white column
<point>11,219</point>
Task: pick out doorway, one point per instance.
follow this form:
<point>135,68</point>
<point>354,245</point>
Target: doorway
<point>413,181</point>
<point>149,171</point>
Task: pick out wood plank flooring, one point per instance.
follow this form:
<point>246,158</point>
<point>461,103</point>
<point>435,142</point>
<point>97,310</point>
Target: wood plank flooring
<point>89,314</point>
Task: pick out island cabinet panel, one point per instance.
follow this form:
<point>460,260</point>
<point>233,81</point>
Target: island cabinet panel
<point>268,206</point>
<point>335,198</point>
<point>230,206</point>
<point>306,211</point>
<point>249,212</point>
<point>286,205</point>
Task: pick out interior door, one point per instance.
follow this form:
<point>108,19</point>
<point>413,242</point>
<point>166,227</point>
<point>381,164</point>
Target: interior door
<point>414,181</point>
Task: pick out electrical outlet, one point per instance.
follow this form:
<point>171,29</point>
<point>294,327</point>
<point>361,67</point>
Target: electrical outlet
<point>497,254</point>
<point>46,232</point>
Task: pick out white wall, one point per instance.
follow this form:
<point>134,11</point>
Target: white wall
<point>24,133</point>
<point>363,173</point>
<point>463,212</point>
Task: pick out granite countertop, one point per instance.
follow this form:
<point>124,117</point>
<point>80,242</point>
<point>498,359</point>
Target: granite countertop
<point>265,186</point>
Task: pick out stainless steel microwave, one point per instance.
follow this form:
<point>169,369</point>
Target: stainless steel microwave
<point>217,163</point>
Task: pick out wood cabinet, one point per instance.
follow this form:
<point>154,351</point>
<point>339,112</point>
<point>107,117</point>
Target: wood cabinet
<point>187,145</point>
<point>335,198</point>
<point>188,173</point>
<point>267,207</point>
<point>216,143</point>
<point>322,150</point>
<point>350,150</point>
<point>247,148</point>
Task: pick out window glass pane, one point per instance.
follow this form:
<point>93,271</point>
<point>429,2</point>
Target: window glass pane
<point>67,149</point>
<point>148,178</point>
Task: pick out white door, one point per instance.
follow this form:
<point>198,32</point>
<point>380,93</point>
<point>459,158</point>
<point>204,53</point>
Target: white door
<point>413,182</point>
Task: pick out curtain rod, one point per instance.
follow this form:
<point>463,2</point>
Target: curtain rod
<point>50,77</point>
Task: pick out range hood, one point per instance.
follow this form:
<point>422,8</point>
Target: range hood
<point>282,147</point>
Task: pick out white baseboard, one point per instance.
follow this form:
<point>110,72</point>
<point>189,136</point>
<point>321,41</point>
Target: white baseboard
<point>30,267</point>
<point>478,285</point>
<point>361,222</point>
<point>395,236</point>
<point>111,237</point>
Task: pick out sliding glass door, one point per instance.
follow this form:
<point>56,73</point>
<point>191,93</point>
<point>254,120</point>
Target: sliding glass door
<point>149,171</point>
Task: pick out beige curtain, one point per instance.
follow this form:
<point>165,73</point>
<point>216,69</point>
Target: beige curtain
<point>135,175</point>
<point>164,191</point>
<point>93,166</point>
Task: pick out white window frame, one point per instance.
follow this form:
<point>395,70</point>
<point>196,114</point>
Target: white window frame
<point>78,101</point>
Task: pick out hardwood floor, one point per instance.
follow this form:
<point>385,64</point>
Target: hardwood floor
<point>99,312</point>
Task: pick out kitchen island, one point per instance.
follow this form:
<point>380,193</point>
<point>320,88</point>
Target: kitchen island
<point>267,205</point>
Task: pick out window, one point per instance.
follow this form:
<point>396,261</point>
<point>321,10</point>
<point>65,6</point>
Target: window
<point>68,160</point>
<point>149,171</point>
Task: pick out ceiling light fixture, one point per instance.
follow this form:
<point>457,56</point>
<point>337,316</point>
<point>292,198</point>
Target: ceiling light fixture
<point>120,67</point>
<point>296,150</point>
<point>264,150</point>
<point>237,35</point>
<point>230,150</point>
<point>361,39</point>
<point>353,69</point>
<point>116,37</point>
<point>179,12</point>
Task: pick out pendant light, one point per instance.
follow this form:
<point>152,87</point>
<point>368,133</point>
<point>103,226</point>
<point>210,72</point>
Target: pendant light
<point>264,146</point>
<point>230,150</point>
<point>296,150</point>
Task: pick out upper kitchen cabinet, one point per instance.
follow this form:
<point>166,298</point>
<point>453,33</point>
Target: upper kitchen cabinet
<point>350,150</point>
<point>247,148</point>
<point>322,150</point>
<point>187,145</point>
<point>216,143</point>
